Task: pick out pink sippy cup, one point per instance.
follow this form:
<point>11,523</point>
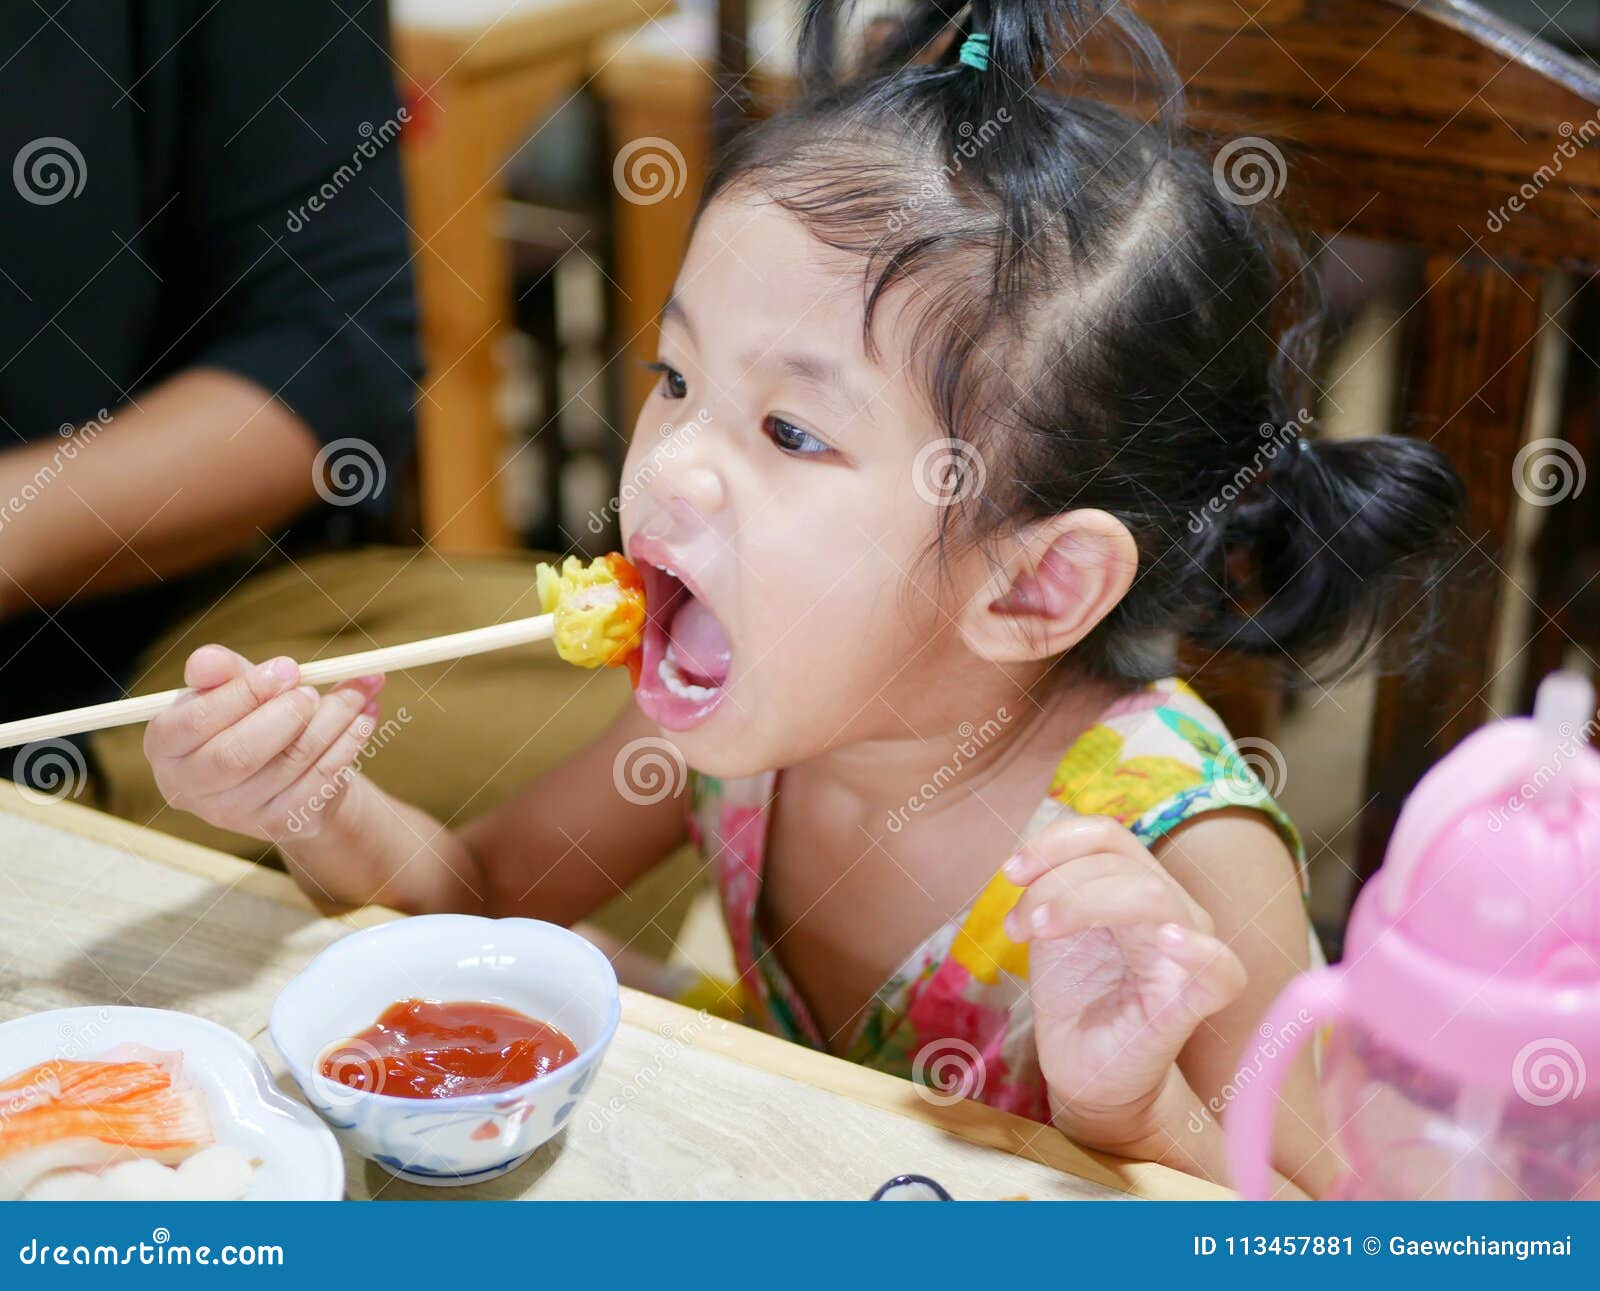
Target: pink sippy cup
<point>1466,1011</point>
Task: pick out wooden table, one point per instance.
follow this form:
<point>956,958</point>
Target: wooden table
<point>94,910</point>
<point>476,75</point>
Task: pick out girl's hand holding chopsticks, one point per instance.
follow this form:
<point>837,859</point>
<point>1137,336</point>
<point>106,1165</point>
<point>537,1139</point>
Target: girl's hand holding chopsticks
<point>253,751</point>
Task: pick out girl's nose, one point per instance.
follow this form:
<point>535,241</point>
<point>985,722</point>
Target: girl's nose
<point>701,487</point>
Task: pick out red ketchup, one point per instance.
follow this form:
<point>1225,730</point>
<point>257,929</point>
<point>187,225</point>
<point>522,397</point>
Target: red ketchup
<point>425,1049</point>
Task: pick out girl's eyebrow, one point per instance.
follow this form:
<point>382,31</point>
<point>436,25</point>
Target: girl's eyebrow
<point>672,311</point>
<point>822,374</point>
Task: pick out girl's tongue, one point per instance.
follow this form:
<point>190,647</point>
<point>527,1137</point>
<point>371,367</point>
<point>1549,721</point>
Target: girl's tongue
<point>698,645</point>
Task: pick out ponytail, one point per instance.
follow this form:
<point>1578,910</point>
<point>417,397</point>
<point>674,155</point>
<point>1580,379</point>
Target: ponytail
<point>1327,541</point>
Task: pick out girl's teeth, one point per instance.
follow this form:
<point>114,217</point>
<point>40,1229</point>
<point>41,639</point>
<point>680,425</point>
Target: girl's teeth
<point>672,678</point>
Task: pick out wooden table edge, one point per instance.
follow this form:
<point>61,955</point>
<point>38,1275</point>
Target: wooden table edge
<point>974,1122</point>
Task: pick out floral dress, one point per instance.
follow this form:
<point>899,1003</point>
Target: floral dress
<point>958,1006</point>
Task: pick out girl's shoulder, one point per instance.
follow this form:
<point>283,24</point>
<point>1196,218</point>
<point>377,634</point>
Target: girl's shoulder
<point>1160,757</point>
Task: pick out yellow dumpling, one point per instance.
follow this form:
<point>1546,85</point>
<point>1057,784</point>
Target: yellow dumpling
<point>599,611</point>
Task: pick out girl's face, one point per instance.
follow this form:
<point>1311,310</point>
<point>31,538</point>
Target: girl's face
<point>775,502</point>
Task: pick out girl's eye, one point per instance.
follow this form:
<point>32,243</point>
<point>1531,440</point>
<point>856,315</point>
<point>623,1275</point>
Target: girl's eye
<point>792,439</point>
<point>673,386</point>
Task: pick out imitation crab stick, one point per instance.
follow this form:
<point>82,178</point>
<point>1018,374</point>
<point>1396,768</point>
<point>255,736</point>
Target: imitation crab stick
<point>594,612</point>
<point>62,1115</point>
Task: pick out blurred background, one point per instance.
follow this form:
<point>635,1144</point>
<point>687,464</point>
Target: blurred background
<point>551,152</point>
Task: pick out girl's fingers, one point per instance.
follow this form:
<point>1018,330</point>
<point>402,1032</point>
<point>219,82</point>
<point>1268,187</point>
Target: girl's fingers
<point>1067,840</point>
<point>197,718</point>
<point>232,756</point>
<point>1060,904</point>
<point>334,713</point>
<point>211,665</point>
<point>1210,975</point>
<point>300,807</point>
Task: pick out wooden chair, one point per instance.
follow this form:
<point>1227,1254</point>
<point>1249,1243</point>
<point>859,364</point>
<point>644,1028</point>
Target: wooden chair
<point>1417,122</point>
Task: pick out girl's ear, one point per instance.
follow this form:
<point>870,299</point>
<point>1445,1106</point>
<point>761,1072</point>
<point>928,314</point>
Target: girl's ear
<point>1062,577</point>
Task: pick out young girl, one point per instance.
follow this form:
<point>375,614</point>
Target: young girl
<point>976,404</point>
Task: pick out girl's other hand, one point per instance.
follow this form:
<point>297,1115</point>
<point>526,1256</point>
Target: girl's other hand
<point>1122,970</point>
<point>253,751</point>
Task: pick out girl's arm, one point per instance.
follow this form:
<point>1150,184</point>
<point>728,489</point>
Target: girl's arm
<point>252,751</point>
<point>1235,865</point>
<point>560,849</point>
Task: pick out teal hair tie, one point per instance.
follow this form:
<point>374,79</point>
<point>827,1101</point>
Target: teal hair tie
<point>975,51</point>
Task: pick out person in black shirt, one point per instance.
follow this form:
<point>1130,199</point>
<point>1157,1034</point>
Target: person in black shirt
<point>208,368</point>
<point>158,311</point>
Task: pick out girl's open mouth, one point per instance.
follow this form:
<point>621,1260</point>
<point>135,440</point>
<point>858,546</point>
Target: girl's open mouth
<point>687,655</point>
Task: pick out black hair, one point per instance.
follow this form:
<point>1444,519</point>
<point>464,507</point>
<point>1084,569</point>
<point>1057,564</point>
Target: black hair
<point>1100,310</point>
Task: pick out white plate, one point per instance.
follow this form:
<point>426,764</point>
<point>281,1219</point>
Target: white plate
<point>300,1159</point>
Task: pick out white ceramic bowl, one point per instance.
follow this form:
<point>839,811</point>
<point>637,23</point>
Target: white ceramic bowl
<point>299,1159</point>
<point>537,968</point>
